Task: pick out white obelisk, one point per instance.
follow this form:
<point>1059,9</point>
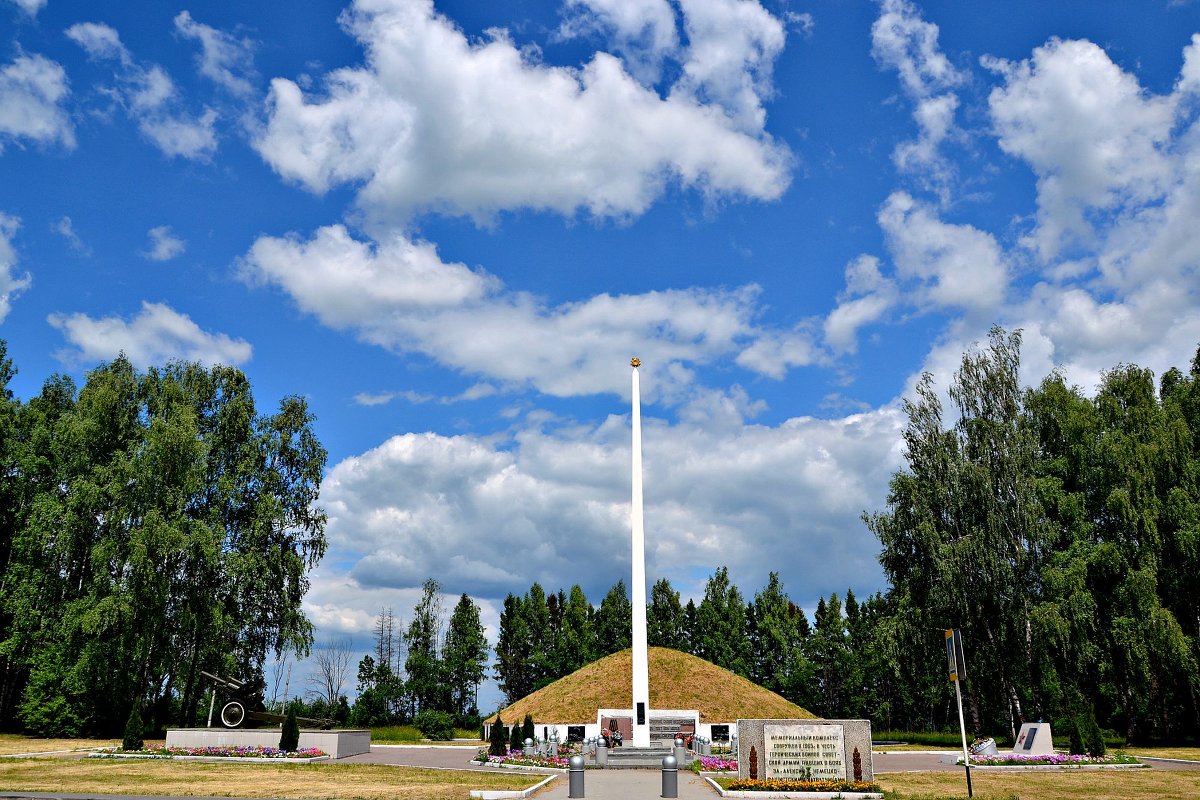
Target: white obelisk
<point>641,663</point>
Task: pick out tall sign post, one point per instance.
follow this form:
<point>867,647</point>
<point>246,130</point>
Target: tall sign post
<point>641,662</point>
<point>957,663</point>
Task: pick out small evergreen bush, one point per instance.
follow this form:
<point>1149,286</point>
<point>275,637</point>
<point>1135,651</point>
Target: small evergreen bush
<point>289,737</point>
<point>527,729</point>
<point>133,731</point>
<point>1093,739</point>
<point>515,742</point>
<point>497,745</point>
<point>1076,735</point>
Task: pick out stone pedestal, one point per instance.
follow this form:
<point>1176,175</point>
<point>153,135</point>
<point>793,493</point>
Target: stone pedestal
<point>337,744</point>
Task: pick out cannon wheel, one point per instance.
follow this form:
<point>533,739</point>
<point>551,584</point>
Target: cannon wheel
<point>233,714</point>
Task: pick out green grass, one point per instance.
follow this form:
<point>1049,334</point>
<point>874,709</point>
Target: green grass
<point>408,734</point>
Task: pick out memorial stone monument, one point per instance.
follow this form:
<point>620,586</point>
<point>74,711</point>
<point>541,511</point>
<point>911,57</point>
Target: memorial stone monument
<point>805,749</point>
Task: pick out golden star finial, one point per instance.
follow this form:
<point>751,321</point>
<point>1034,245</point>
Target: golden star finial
<point>635,362</point>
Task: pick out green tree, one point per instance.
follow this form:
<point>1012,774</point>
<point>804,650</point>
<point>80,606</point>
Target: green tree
<point>614,621</point>
<point>498,744</point>
<point>464,658</point>
<point>664,617</point>
<point>577,642</point>
<point>167,527</point>
<point>721,625</point>
<point>425,685</point>
<point>289,735</point>
<point>513,673</point>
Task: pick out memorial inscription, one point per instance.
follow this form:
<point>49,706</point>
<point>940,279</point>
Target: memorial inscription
<point>815,752</point>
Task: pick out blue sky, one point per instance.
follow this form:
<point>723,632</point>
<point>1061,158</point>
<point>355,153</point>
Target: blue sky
<point>450,225</point>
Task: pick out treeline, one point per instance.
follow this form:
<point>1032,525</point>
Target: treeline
<point>152,525</point>
<point>430,673</point>
<point>824,666</point>
<point>1059,532</point>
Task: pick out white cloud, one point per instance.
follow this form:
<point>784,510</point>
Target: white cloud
<point>156,335</point>
<point>435,122</point>
<point>66,229</point>
<point>163,244</point>
<point>149,96</point>
<point>32,92</point>
<point>868,295</point>
<point>642,33</point>
<point>903,41</point>
<point>420,504</point>
<point>954,266</point>
<point>400,295</point>
<point>732,47</point>
<point>10,284</point>
<point>30,7</point>
<point>223,58</point>
<point>1094,138</point>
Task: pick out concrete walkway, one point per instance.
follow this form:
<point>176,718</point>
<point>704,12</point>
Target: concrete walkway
<point>628,784</point>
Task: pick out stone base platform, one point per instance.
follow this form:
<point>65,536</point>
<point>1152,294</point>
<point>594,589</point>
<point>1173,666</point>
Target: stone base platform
<point>338,744</point>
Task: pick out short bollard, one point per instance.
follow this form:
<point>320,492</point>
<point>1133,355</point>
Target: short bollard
<point>528,750</point>
<point>680,752</point>
<point>670,777</point>
<point>601,753</point>
<point>575,777</point>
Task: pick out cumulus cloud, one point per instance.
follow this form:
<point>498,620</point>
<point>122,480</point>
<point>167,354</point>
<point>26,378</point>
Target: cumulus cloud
<point>1093,137</point>
<point>11,284</point>
<point>399,294</point>
<point>163,245</point>
<point>32,92</point>
<point>903,41</point>
<point>149,96</point>
<point>954,266</point>
<point>552,499</point>
<point>223,58</point>
<point>156,335</point>
<point>437,122</point>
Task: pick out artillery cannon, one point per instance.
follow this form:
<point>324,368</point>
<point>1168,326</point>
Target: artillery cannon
<point>244,702</point>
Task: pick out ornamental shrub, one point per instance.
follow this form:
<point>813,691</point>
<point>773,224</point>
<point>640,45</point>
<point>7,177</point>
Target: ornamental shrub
<point>1075,732</point>
<point>289,737</point>
<point>515,741</point>
<point>498,744</point>
<point>527,729</point>
<point>436,725</point>
<point>133,731</point>
<point>1093,740</point>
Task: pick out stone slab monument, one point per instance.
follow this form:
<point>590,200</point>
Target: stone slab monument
<point>1034,740</point>
<point>805,749</point>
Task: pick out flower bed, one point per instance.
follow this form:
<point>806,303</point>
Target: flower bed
<point>781,785</point>
<point>1052,760</point>
<point>714,764</point>
<point>218,752</point>
<point>516,758</point>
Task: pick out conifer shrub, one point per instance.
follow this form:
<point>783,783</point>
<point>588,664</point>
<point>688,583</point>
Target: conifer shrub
<point>1074,731</point>
<point>289,737</point>
<point>527,729</point>
<point>133,731</point>
<point>515,740</point>
<point>1093,739</point>
<point>498,744</point>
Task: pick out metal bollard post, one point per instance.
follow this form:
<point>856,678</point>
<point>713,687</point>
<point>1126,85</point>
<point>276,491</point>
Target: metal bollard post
<point>528,749</point>
<point>670,777</point>
<point>680,751</point>
<point>601,753</point>
<point>575,777</point>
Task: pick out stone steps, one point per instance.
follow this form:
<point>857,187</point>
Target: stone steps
<point>639,757</point>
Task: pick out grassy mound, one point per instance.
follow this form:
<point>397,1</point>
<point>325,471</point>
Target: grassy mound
<point>677,681</point>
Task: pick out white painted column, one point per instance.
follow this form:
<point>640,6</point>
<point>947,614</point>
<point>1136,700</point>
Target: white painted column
<point>637,590</point>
